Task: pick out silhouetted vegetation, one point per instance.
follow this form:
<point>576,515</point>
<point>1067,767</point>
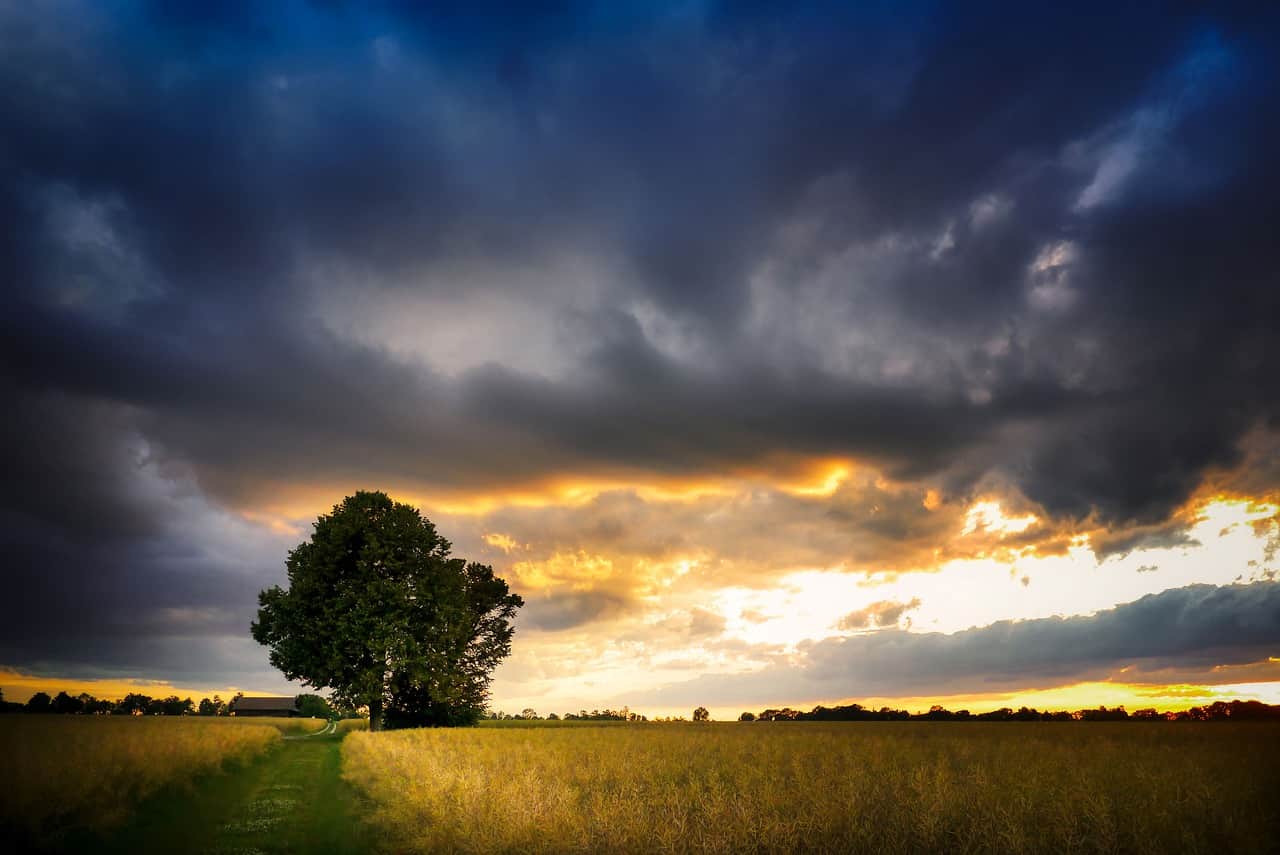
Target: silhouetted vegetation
<point>211,706</point>
<point>1222,711</point>
<point>1217,711</point>
<point>623,714</point>
<point>310,705</point>
<point>317,706</point>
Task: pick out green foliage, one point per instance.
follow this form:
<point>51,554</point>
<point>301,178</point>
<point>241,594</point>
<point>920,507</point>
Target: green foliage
<point>380,613</point>
<point>292,799</point>
<point>701,714</point>
<point>315,706</point>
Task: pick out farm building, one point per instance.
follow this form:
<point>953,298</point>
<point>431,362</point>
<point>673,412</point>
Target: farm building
<point>284,707</point>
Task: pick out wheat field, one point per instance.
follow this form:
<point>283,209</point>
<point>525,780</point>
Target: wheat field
<point>68,772</point>
<point>286,726</point>
<point>346,725</point>
<point>847,787</point>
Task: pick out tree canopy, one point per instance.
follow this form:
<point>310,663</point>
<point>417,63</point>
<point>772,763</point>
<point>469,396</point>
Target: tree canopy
<point>315,706</point>
<point>380,613</point>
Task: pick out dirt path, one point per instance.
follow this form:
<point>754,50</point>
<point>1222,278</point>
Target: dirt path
<point>329,729</point>
<point>292,800</point>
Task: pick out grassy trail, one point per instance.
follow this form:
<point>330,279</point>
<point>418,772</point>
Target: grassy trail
<point>292,800</point>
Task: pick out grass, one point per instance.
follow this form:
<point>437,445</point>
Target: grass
<point>89,772</point>
<point>156,784</point>
<point>865,787</point>
<point>286,726</point>
<point>291,800</point>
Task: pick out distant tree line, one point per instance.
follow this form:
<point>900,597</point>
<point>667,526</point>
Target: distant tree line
<point>139,704</point>
<point>527,714</point>
<point>1217,711</point>
<point>131,704</point>
<point>317,706</point>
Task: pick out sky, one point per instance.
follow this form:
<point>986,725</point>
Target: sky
<point>776,354</point>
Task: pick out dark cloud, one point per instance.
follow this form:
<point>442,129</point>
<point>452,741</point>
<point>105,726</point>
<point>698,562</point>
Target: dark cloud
<point>313,159</point>
<point>281,250</point>
<point>883,613</point>
<point>116,564</point>
<point>1165,535</point>
<point>1182,633</point>
<point>559,611</point>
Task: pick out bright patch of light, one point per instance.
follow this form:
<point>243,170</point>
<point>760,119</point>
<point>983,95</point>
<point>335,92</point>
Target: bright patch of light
<point>1221,515</point>
<point>826,484</point>
<point>501,541</point>
<point>570,569</point>
<point>989,517</point>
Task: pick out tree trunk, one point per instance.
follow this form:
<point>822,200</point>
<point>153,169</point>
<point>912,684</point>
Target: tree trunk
<point>375,715</point>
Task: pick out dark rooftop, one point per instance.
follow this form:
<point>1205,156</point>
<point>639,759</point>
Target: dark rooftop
<point>265,704</point>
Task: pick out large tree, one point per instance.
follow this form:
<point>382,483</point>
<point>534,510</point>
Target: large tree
<point>378,612</point>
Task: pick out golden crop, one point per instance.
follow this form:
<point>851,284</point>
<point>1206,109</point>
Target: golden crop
<point>66,771</point>
<point>347,725</point>
<point>286,726</point>
<point>809,787</point>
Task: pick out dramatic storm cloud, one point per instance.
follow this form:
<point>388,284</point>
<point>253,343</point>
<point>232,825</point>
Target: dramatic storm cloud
<point>650,308</point>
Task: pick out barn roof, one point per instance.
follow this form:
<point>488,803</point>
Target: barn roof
<point>266,704</point>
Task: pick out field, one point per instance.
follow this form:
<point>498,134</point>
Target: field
<point>786,787</point>
<point>68,772</point>
<point>142,784</point>
<point>285,726</point>
<point>543,723</point>
<point>347,725</point>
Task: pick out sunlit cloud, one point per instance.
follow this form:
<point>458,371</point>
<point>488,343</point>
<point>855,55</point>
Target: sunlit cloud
<point>501,541</point>
<point>988,517</point>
